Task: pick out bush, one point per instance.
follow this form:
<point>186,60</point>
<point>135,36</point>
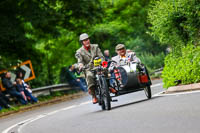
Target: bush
<point>184,67</point>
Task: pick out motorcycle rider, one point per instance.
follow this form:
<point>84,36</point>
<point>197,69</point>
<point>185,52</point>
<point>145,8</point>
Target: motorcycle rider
<point>85,56</point>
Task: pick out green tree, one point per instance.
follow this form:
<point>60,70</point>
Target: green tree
<point>175,22</point>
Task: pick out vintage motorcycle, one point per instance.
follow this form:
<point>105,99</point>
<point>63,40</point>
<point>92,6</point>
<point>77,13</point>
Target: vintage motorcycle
<point>127,78</point>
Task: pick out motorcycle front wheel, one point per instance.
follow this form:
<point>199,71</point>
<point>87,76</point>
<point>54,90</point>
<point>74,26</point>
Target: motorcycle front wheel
<point>106,100</point>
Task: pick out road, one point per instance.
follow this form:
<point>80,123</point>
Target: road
<point>132,113</point>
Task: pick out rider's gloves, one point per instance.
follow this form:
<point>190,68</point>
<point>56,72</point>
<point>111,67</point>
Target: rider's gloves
<point>80,65</point>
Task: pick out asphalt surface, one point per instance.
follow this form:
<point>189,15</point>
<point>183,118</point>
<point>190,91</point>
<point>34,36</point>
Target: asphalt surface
<point>174,113</point>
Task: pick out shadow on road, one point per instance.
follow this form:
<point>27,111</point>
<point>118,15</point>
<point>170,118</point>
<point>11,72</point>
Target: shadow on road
<point>125,105</point>
<point>128,104</point>
<point>135,102</point>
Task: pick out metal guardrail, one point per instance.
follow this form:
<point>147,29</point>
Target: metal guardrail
<point>157,71</point>
<point>49,89</point>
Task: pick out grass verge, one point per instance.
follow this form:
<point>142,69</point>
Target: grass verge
<point>55,97</point>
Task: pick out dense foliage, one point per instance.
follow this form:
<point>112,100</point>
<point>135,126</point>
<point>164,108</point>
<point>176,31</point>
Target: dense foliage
<point>176,24</point>
<point>47,31</point>
<point>182,69</point>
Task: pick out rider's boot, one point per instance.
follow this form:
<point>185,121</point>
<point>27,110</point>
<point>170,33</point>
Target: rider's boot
<point>92,92</point>
<point>94,100</point>
<point>112,90</point>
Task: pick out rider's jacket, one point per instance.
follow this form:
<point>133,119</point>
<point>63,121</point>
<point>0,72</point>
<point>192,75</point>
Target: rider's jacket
<point>129,57</point>
<point>86,57</point>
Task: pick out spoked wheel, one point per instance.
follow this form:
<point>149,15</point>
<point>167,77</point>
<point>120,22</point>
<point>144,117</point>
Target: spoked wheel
<point>106,105</point>
<point>147,91</point>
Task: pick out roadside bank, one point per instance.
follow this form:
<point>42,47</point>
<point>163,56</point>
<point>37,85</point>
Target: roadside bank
<point>43,103</point>
<point>183,88</point>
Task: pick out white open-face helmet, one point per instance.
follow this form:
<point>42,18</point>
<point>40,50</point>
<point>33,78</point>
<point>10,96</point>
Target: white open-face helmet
<point>83,37</point>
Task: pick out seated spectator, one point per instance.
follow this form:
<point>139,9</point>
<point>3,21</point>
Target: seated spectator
<point>11,88</point>
<point>24,88</point>
<point>4,101</point>
<point>73,81</point>
<point>79,75</point>
<point>20,75</point>
<point>20,88</point>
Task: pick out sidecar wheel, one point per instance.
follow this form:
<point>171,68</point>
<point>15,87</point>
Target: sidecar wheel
<point>147,91</point>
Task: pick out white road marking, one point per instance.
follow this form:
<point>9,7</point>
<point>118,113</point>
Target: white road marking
<point>175,94</point>
<point>11,127</point>
<point>51,113</point>
<point>159,84</point>
<point>32,119</point>
<point>70,107</point>
<point>158,94</point>
<point>88,102</point>
<point>21,124</point>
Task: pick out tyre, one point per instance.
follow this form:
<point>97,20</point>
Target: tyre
<point>147,91</point>
<point>98,94</point>
<point>103,107</point>
<point>106,105</point>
